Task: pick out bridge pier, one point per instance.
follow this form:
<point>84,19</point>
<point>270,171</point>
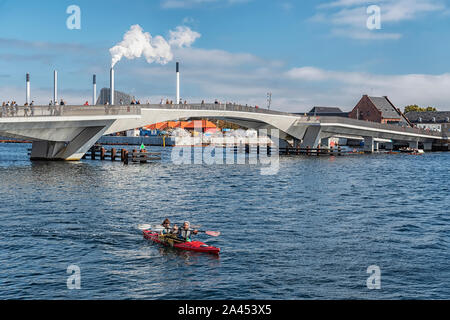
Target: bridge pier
<point>326,142</point>
<point>414,144</point>
<point>312,137</point>
<point>67,151</point>
<point>46,150</point>
<point>389,146</point>
<point>369,144</point>
<point>428,146</point>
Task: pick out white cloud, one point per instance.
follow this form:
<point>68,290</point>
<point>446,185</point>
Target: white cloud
<point>422,89</point>
<point>183,36</point>
<point>244,78</point>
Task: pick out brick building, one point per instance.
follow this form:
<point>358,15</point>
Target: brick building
<point>378,109</point>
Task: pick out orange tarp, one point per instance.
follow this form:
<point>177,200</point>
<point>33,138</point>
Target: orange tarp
<point>204,124</point>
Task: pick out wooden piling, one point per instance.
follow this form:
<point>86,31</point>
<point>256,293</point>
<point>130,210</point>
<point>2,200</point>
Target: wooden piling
<point>113,154</point>
<point>102,154</point>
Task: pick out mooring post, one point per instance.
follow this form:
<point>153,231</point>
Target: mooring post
<point>318,150</point>
<point>125,157</point>
<point>93,153</point>
<point>113,154</point>
<point>308,152</point>
<point>102,153</point>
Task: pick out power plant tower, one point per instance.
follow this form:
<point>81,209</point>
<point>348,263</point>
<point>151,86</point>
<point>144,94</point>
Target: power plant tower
<point>55,87</point>
<point>111,87</point>
<point>178,83</point>
<point>94,90</point>
<point>28,95</point>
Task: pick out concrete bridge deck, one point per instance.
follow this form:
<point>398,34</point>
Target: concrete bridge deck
<point>67,132</point>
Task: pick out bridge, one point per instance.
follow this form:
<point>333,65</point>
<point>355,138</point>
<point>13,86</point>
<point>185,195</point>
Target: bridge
<point>68,132</point>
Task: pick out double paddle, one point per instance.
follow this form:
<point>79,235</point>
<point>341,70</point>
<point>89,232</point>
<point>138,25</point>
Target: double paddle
<point>159,228</point>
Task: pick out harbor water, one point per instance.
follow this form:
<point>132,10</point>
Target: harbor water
<point>309,232</point>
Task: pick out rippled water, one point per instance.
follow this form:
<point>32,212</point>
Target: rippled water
<point>309,232</point>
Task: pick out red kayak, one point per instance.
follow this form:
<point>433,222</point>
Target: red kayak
<point>196,246</point>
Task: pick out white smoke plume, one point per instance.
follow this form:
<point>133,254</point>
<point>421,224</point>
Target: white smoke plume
<point>183,37</point>
<point>137,43</point>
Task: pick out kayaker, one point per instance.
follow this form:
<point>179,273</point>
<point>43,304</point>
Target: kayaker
<point>166,225</point>
<point>185,232</point>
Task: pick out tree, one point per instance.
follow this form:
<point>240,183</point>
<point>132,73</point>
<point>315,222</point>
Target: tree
<point>416,108</point>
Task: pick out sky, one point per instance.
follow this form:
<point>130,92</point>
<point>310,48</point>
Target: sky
<point>305,53</point>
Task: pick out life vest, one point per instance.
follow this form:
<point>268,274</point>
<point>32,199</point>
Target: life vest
<point>185,235</point>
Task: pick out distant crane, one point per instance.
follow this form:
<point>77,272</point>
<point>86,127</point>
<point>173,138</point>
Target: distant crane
<point>269,100</point>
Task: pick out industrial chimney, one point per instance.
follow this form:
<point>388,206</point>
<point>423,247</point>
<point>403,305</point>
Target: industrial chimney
<point>55,87</point>
<point>28,89</point>
<point>178,83</point>
<point>94,90</point>
<point>111,98</point>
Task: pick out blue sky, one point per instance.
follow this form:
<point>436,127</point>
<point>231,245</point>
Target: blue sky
<point>306,53</point>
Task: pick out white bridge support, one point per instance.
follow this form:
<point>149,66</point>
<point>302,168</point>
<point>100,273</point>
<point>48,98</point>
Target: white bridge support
<point>369,144</point>
<point>72,150</point>
<point>312,137</point>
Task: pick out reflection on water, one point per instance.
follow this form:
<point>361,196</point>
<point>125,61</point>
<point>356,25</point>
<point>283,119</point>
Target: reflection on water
<point>309,232</point>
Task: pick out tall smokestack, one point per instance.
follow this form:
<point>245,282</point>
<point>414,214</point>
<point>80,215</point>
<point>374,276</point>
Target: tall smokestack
<point>55,87</point>
<point>178,83</point>
<point>28,89</point>
<point>94,90</point>
<point>111,98</point>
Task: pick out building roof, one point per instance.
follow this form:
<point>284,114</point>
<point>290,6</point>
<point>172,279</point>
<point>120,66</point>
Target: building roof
<point>388,111</point>
<point>320,110</point>
<point>427,117</point>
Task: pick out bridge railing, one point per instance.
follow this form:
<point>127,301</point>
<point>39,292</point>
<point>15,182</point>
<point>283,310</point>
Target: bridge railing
<point>215,107</point>
<point>67,111</point>
<point>374,125</point>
